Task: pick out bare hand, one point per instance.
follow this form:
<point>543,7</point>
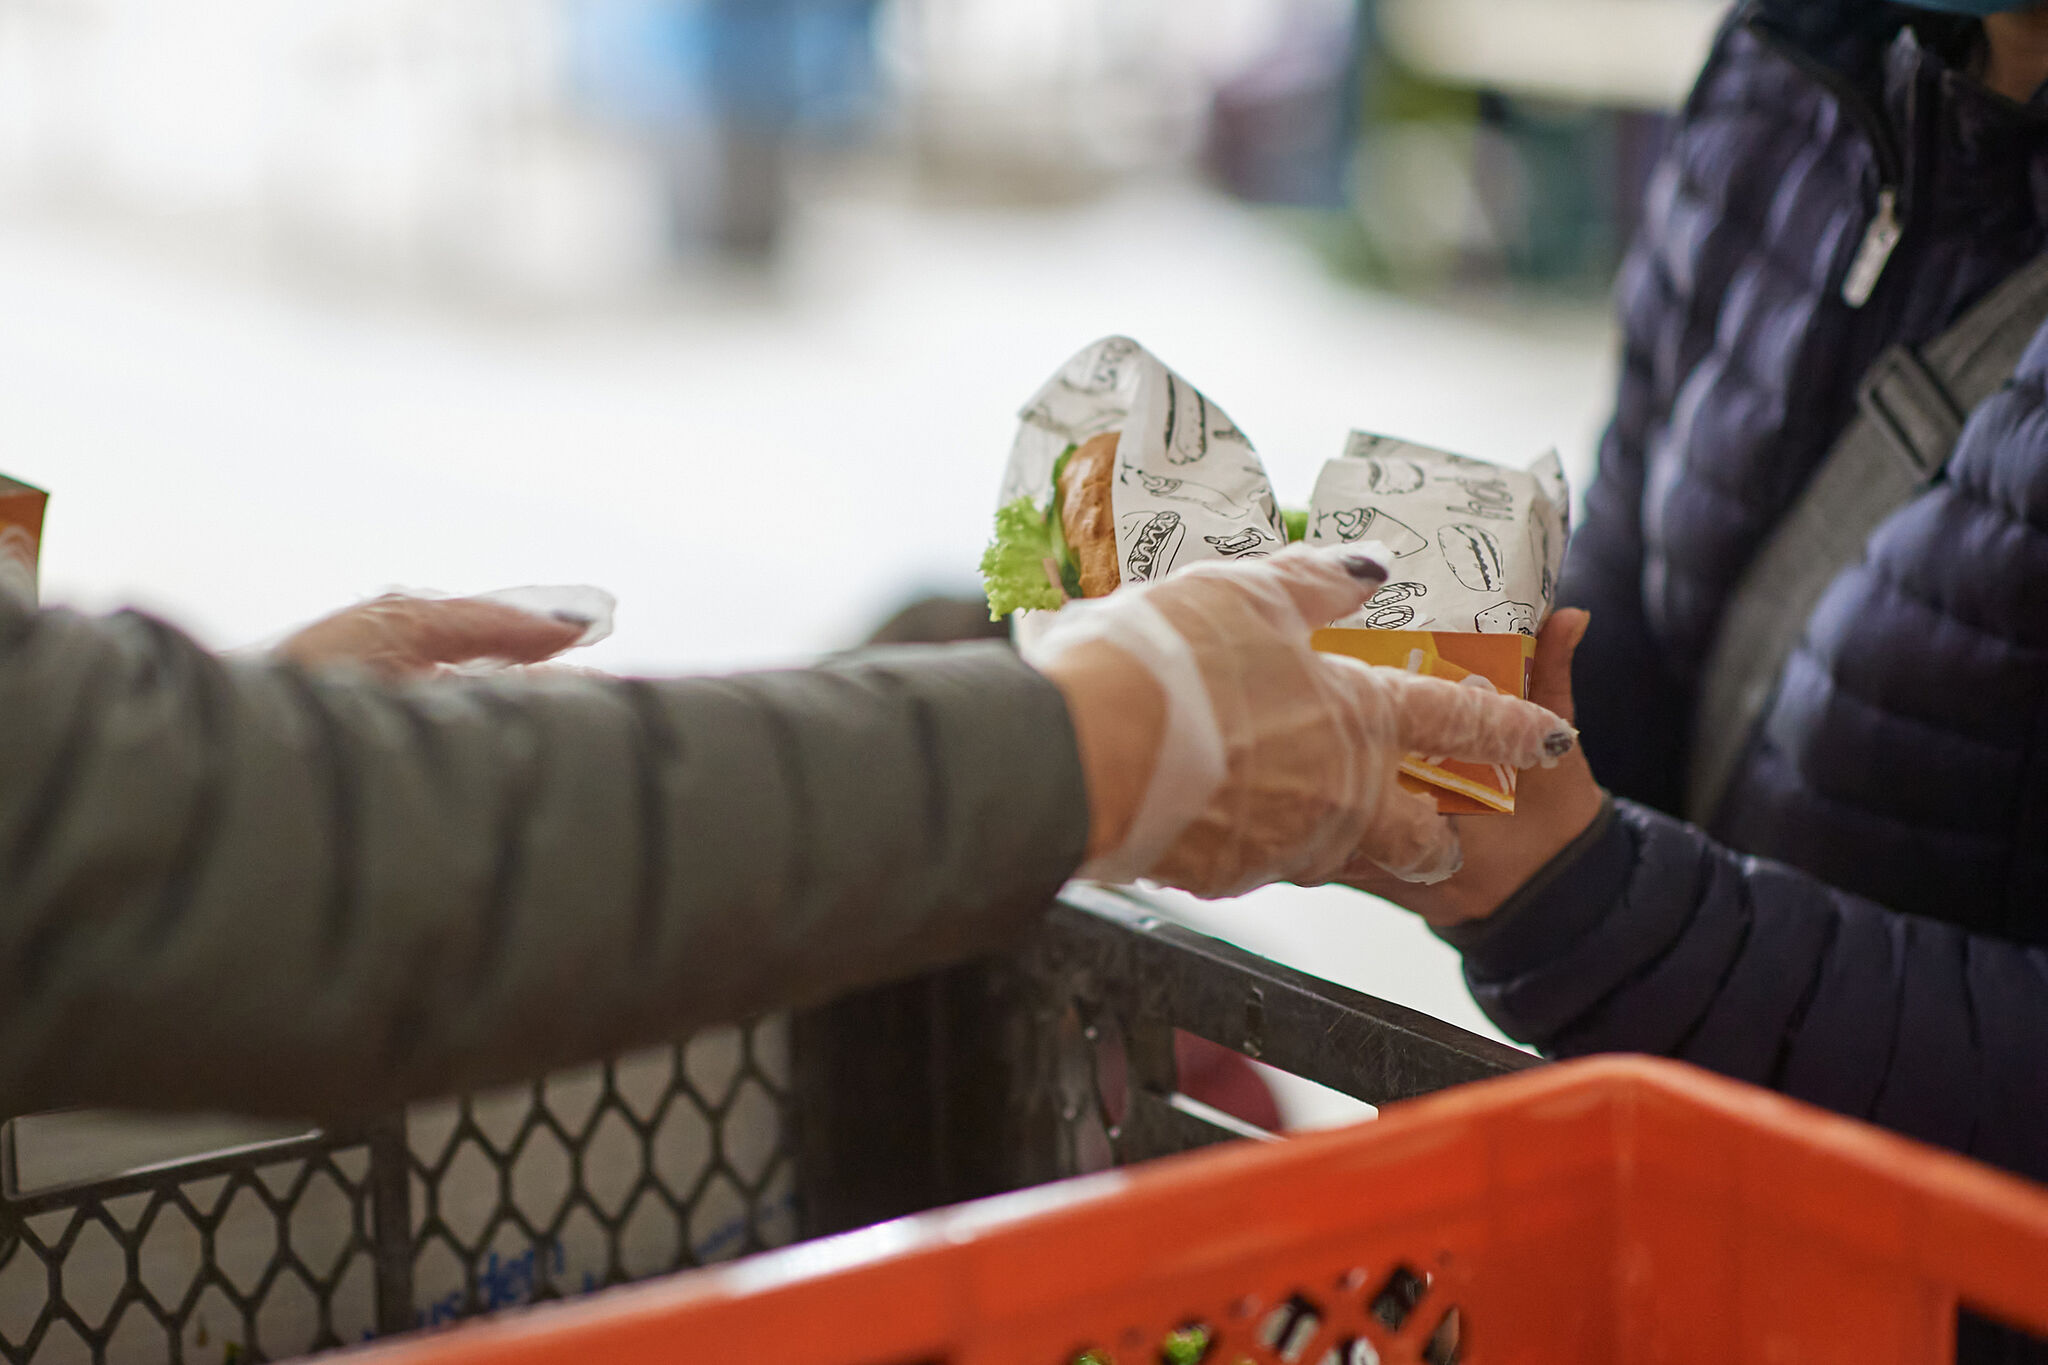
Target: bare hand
<point>1553,806</point>
<point>408,637</point>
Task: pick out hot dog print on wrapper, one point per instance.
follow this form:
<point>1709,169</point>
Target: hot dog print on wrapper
<point>1247,544</point>
<point>1183,490</point>
<point>1483,541</point>
<point>1188,487</point>
<point>1155,539</point>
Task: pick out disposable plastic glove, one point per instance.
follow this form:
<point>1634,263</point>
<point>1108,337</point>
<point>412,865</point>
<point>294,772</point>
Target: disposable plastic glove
<point>1278,763</point>
<point>400,635</point>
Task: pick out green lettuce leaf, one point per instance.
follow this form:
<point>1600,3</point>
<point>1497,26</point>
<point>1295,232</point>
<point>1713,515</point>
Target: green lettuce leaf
<point>1295,519</point>
<point>1013,566</point>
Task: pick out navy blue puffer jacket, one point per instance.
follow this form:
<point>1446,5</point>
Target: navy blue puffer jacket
<point>1864,924</point>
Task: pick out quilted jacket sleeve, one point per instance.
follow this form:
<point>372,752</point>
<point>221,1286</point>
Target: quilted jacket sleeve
<point>1652,938</point>
<point>253,888</point>
<point>1633,713</point>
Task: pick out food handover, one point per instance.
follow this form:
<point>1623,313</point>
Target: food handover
<point>1122,471</point>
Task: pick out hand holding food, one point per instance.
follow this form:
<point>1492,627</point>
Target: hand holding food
<point>1502,852</point>
<point>1272,762</point>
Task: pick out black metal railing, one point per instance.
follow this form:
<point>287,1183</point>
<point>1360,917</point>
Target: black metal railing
<point>1059,1060</point>
<point>1050,1061</point>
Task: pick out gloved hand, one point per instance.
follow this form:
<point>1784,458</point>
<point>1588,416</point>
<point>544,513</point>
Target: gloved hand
<point>400,636</point>
<point>1272,762</point>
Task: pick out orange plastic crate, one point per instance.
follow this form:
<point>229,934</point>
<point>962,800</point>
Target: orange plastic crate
<point>1614,1210</point>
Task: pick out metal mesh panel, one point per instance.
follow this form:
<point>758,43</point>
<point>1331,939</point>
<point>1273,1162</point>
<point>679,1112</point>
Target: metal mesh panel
<point>596,1176</point>
<point>221,1261</point>
<point>668,1158</point>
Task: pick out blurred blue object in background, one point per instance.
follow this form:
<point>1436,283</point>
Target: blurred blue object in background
<point>636,62</point>
<point>737,82</point>
<point>787,64</point>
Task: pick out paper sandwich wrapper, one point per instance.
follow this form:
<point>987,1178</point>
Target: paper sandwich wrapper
<point>1475,550</point>
<point>21,537</point>
<point>1189,486</point>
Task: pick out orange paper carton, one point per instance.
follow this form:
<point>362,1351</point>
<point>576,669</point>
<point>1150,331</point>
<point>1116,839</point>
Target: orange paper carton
<point>21,535</point>
<point>1503,660</point>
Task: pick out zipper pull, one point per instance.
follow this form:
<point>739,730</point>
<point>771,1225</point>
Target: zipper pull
<point>1879,239</point>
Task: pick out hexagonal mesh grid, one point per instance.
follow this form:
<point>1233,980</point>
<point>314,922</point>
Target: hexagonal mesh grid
<point>663,1159</point>
<point>229,1262</point>
<point>604,1174</point>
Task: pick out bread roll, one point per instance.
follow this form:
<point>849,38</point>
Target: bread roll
<point>1086,515</point>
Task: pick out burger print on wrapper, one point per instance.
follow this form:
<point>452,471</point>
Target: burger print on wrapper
<point>1121,472</point>
<point>1476,552</point>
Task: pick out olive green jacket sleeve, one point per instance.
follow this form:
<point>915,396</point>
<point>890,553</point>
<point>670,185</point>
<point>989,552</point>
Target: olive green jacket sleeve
<point>240,885</point>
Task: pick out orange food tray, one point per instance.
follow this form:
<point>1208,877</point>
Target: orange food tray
<point>1614,1210</point>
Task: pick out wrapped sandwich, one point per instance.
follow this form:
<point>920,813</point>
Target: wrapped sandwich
<point>1475,553</point>
<point>1121,472</point>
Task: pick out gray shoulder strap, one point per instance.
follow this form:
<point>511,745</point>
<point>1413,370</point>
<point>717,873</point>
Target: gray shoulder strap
<point>1911,409</point>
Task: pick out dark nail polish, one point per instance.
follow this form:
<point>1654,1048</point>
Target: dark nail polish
<point>1365,568</point>
<point>1558,743</point>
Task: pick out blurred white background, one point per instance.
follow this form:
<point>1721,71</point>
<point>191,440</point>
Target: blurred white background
<point>304,299</point>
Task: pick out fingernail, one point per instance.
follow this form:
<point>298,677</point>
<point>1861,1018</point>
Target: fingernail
<point>1365,568</point>
<point>1558,743</point>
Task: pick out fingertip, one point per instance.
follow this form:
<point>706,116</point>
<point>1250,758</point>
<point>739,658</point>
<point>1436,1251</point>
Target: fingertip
<point>1328,582</point>
<point>1367,561</point>
<point>1364,567</point>
<point>471,629</point>
<point>552,637</point>
<point>1558,743</point>
<point>1571,624</point>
